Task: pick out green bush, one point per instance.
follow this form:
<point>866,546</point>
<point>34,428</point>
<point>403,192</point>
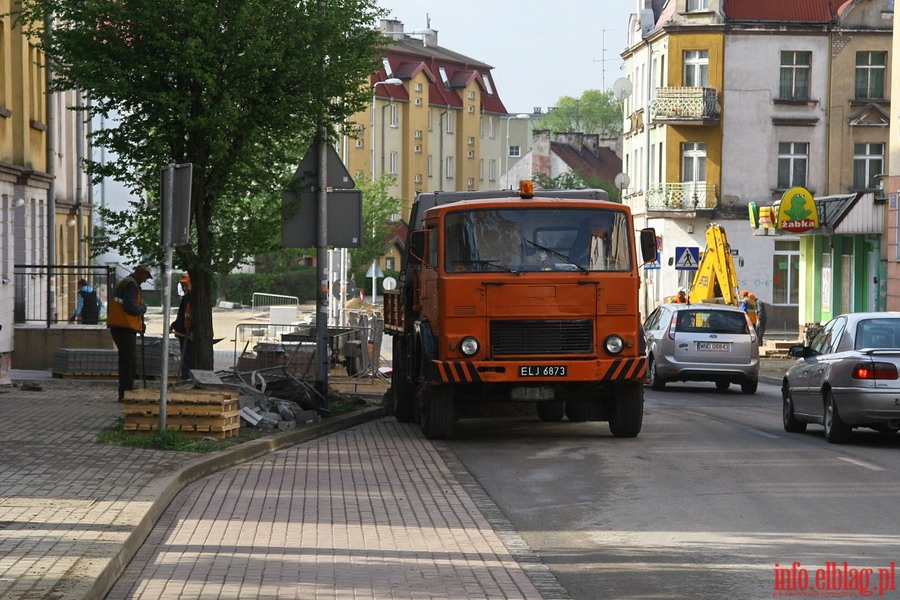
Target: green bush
<point>240,287</point>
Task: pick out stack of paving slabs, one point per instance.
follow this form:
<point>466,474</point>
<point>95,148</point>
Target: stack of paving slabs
<point>191,412</point>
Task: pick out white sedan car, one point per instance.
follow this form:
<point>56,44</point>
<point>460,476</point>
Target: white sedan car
<point>846,377</point>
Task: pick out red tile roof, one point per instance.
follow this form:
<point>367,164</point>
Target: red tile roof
<point>409,56</point>
<point>605,164</point>
<point>796,11</point>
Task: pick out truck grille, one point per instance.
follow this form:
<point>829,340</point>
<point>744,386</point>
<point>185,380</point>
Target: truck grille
<point>542,337</point>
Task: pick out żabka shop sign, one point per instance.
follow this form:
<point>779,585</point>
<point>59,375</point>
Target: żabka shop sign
<point>797,212</point>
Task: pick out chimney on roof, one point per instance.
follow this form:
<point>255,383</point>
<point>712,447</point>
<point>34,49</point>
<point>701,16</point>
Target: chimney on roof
<point>573,139</point>
<point>540,152</point>
<point>392,28</point>
<point>592,142</point>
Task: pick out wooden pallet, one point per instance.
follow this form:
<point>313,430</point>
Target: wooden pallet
<point>195,413</point>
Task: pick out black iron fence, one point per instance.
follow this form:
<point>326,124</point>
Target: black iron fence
<point>49,293</point>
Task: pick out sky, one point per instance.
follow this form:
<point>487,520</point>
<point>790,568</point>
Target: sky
<point>540,51</point>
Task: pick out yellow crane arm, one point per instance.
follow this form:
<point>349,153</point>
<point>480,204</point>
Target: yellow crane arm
<point>716,277</point>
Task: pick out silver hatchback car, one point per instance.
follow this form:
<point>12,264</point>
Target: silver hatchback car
<point>702,342</point>
<point>846,377</point>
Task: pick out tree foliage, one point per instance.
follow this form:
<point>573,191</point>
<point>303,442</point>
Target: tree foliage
<point>238,88</point>
<point>570,180</point>
<point>379,222</point>
<point>594,112</point>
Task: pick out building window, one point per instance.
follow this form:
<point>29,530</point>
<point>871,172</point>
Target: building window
<point>697,5</point>
<point>870,70</point>
<point>418,87</point>
<point>793,158</point>
<point>868,161</point>
<point>394,115</point>
<point>786,272</point>
<point>449,121</point>
<point>390,263</point>
<point>696,68</point>
<point>430,121</point>
<point>394,162</point>
<point>491,127</point>
<point>794,81</point>
<point>444,78</point>
<point>487,84</point>
<point>693,161</point>
<point>515,151</point>
<point>449,172</point>
<point>480,169</point>
<point>387,66</point>
<point>430,167</point>
<point>492,170</point>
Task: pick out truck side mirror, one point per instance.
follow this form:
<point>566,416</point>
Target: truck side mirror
<point>418,245</point>
<point>648,244</point>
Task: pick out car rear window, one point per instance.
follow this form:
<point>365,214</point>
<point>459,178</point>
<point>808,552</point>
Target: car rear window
<point>878,333</point>
<point>711,321</point>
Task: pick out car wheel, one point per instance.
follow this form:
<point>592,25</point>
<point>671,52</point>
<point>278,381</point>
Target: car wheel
<point>836,431</point>
<point>723,385</point>
<point>749,387</point>
<point>791,424</point>
<point>656,383</point>
<point>551,411</point>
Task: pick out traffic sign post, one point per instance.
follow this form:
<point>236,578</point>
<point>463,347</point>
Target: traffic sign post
<point>687,258</point>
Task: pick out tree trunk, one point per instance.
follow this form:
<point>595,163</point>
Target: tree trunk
<point>203,323</point>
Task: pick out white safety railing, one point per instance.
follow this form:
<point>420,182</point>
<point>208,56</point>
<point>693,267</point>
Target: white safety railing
<point>262,302</point>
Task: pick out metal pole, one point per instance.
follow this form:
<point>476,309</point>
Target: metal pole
<point>169,204</point>
<point>321,270</point>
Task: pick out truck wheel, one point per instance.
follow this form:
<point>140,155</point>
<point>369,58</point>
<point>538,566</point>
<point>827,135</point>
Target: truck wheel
<point>436,415</point>
<point>628,411</point>
<point>552,411</point>
<point>403,392</point>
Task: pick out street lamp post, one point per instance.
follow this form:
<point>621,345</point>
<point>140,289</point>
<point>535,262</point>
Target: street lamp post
<point>506,149</point>
<point>390,81</point>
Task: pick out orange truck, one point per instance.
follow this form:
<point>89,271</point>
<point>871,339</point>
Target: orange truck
<point>519,296</point>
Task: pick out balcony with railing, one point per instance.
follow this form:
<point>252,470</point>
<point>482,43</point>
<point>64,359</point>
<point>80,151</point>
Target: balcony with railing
<point>686,106</point>
<point>689,196</point>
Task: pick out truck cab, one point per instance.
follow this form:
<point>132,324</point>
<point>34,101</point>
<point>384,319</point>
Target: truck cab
<point>529,298</point>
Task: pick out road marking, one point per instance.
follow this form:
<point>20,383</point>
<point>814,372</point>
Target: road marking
<point>860,463</point>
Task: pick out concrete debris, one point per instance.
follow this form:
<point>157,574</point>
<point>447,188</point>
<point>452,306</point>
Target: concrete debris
<point>267,411</point>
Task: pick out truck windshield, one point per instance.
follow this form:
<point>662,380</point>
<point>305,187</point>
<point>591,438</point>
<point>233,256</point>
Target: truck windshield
<point>537,239</point>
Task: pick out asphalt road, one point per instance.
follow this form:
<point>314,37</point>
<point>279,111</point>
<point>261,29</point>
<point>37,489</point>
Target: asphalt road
<point>708,502</point>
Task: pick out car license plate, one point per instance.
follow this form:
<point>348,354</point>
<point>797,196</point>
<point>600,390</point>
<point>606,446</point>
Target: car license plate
<point>714,346</point>
<point>543,371</point>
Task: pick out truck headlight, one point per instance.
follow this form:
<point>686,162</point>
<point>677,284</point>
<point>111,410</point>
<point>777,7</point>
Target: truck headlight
<point>469,346</point>
<point>614,344</point>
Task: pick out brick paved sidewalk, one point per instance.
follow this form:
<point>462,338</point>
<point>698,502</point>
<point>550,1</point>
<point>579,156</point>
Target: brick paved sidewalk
<point>370,512</point>
<point>73,512</point>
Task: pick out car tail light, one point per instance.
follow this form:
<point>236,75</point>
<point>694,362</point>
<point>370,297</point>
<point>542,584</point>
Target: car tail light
<point>750,327</point>
<point>875,370</point>
<point>672,326</point>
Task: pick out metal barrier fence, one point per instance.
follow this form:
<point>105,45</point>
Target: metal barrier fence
<point>260,302</point>
<point>49,293</point>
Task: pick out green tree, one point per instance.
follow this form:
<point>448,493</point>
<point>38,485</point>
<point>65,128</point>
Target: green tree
<point>379,220</point>
<point>570,180</point>
<point>594,112</point>
<point>238,88</point>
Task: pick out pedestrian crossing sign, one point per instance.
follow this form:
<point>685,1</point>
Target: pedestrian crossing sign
<point>687,258</point>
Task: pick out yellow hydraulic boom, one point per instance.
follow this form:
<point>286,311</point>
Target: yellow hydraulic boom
<point>716,277</point>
